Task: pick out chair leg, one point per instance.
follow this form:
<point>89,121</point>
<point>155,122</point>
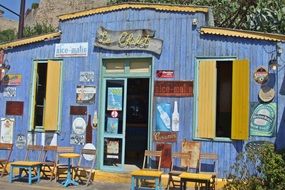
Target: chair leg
<point>168,183</point>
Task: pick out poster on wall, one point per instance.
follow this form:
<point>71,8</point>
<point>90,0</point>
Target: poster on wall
<point>7,126</point>
<point>163,112</point>
<point>9,92</point>
<point>112,125</point>
<point>86,76</point>
<point>115,98</point>
<point>12,79</point>
<point>49,139</point>
<point>263,120</point>
<point>77,135</point>
<point>194,148</point>
<point>85,94</point>
<point>21,141</point>
<point>113,147</point>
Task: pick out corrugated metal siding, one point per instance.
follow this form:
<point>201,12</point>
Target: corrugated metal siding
<point>21,61</point>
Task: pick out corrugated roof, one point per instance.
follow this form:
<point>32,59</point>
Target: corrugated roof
<point>159,7</point>
<point>242,34</point>
<point>26,41</point>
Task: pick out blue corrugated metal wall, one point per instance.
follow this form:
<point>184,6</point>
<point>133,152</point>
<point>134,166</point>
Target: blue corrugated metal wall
<point>21,61</point>
<point>182,43</point>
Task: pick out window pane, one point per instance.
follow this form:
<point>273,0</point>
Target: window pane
<point>139,67</point>
<point>115,67</point>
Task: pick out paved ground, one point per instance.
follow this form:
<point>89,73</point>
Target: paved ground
<point>47,185</point>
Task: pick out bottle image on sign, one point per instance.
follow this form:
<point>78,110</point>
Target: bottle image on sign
<point>175,118</point>
<point>162,116</point>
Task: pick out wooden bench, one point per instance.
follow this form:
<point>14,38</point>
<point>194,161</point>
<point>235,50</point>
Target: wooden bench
<point>146,175</point>
<point>28,166</point>
<point>197,178</point>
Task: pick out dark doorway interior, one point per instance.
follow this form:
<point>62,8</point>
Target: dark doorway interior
<point>40,93</point>
<point>137,120</point>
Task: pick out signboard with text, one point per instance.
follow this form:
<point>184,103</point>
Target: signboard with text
<point>71,49</point>
<point>173,88</point>
<point>140,39</point>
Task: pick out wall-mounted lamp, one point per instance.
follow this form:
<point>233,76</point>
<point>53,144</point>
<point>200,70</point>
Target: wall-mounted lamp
<point>273,64</point>
<point>3,70</point>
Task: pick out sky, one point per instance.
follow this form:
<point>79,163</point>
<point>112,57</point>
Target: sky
<point>14,5</point>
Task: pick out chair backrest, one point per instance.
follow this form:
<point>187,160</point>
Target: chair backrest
<point>152,155</point>
<point>35,150</point>
<point>176,163</point>
<point>8,148</point>
<point>49,150</point>
<point>88,155</point>
<point>63,149</point>
<point>208,163</point>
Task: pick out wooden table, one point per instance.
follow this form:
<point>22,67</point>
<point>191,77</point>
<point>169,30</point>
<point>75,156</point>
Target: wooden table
<point>25,165</point>
<point>69,179</point>
<point>146,174</point>
<point>195,177</point>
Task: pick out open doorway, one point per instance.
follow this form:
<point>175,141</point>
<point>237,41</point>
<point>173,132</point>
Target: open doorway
<point>136,120</point>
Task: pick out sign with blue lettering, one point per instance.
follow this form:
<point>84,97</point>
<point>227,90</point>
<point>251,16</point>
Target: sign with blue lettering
<point>71,49</point>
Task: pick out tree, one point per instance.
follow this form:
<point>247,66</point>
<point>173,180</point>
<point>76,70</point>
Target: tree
<point>258,15</point>
<point>7,35</point>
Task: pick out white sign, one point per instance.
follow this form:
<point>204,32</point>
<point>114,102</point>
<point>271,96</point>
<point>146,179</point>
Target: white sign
<point>7,125</point>
<point>71,49</point>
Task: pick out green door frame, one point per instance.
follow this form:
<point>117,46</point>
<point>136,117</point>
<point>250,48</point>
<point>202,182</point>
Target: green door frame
<point>101,106</point>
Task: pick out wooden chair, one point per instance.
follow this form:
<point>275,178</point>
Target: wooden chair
<point>48,161</point>
<point>150,171</point>
<point>61,168</point>
<point>150,160</point>
<point>33,150</point>
<point>7,148</point>
<point>208,163</point>
<point>82,172</point>
<point>177,168</point>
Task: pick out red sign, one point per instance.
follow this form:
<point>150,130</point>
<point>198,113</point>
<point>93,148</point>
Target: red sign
<point>165,74</point>
<point>164,136</point>
<point>114,113</point>
<point>173,88</point>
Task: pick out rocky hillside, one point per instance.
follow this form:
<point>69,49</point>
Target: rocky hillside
<point>48,10</point>
<point>6,23</point>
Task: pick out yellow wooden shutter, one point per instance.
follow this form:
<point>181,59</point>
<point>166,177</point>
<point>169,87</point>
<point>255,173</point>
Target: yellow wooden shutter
<point>240,100</point>
<point>52,96</point>
<point>207,99</point>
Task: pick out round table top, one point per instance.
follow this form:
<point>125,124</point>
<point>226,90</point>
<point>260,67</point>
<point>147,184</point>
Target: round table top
<point>69,155</point>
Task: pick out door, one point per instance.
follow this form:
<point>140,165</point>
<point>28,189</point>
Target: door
<point>114,124</point>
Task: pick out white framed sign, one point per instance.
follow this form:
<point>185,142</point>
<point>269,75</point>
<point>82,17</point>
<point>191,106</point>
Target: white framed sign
<point>71,49</point>
<point>7,125</point>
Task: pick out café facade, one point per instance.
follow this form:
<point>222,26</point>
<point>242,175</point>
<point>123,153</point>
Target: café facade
<point>129,77</point>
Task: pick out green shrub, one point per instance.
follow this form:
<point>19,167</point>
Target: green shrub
<point>260,168</point>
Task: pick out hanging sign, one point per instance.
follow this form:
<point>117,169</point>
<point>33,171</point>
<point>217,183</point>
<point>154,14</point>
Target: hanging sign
<point>260,75</point>
<point>173,88</point>
<point>165,74</point>
<point>263,120</point>
<point>12,79</point>
<point>21,141</point>
<point>7,125</point>
<point>164,137</point>
<point>140,39</point>
<point>86,76</point>
<point>85,94</point>
<point>266,94</point>
<point>71,49</point>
